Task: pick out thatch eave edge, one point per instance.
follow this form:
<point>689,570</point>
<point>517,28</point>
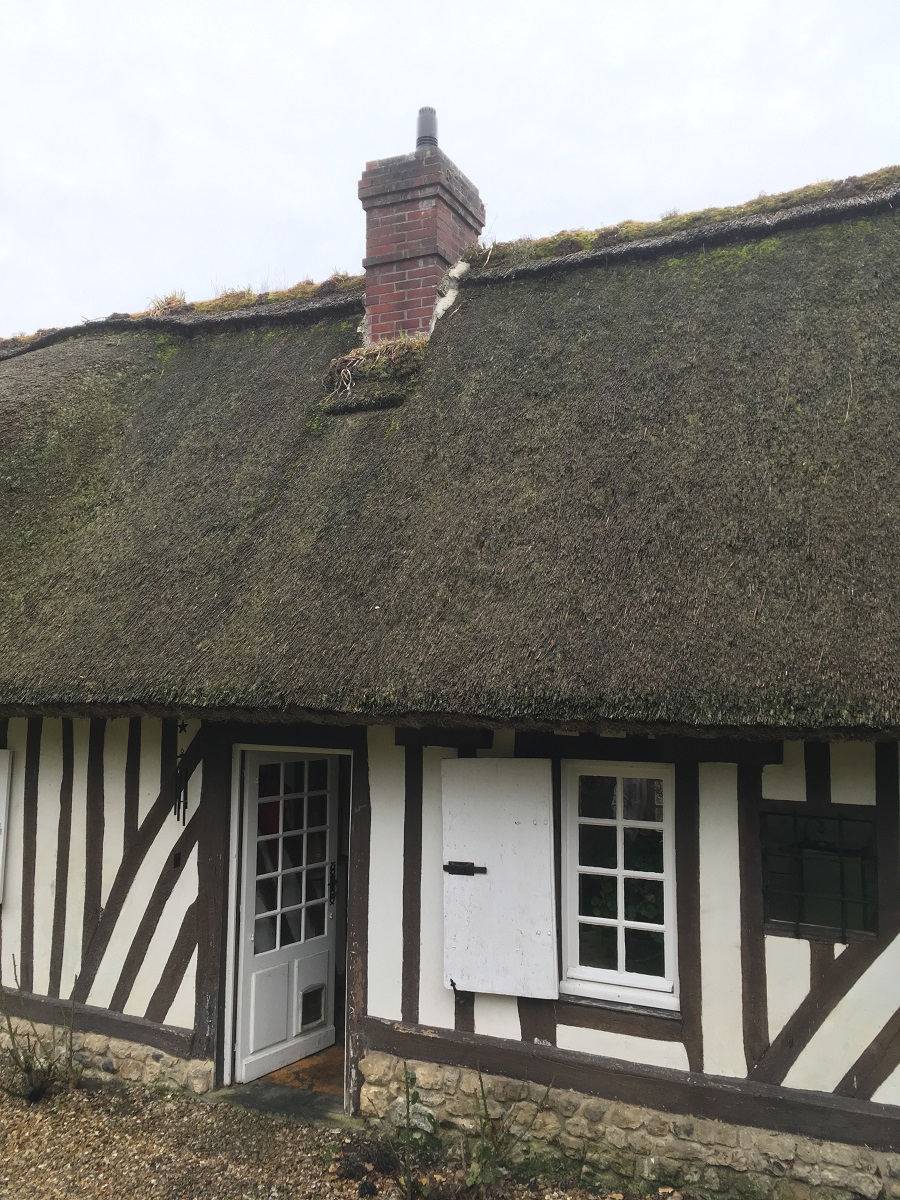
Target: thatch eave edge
<point>290,714</point>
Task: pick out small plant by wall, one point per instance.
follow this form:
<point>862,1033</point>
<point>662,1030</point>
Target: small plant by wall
<point>33,1061</point>
<point>425,1161</point>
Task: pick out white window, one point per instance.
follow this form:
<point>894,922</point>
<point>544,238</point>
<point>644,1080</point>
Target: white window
<point>619,883</point>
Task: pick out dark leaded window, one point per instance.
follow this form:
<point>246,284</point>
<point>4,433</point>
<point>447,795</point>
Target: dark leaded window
<point>819,874</point>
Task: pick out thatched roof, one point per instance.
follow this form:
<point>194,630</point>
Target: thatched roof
<point>655,486</point>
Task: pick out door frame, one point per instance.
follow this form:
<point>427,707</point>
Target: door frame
<point>235,869</point>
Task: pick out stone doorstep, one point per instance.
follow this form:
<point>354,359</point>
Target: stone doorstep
<point>639,1145</point>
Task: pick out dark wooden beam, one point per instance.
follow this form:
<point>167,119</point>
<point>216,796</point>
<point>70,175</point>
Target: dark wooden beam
<point>357,915</point>
<point>88,1019</point>
<point>455,737</point>
<point>212,893</point>
<point>29,851</point>
<point>754,994</point>
<point>662,1026</point>
<point>810,1114</point>
<point>667,749</point>
<point>412,884</point>
<point>63,844</point>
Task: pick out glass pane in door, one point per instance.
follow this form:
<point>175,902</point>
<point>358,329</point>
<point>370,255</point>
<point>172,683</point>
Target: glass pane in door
<point>291,853</point>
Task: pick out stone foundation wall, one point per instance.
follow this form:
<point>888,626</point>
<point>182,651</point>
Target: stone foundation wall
<point>638,1149</point>
<point>120,1059</point>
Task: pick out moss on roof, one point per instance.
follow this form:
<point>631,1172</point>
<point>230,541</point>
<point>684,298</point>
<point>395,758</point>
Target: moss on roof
<point>660,492</point>
<point>577,241</point>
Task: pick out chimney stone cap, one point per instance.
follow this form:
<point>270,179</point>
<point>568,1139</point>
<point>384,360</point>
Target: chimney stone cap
<point>427,168</point>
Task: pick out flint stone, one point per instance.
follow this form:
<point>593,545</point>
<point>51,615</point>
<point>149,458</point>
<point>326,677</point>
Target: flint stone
<point>374,1100</point>
<point>565,1103</point>
<point>625,1116</point>
<point>377,1068</point>
<point>429,1077</point>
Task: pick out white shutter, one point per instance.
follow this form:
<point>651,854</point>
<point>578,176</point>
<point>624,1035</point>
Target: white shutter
<point>5,782</point>
<point>499,924</point>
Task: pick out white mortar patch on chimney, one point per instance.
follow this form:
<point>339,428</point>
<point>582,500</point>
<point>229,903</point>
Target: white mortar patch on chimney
<point>448,290</point>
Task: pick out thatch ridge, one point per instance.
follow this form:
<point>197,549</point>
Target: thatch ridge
<point>722,233</point>
<point>189,322</point>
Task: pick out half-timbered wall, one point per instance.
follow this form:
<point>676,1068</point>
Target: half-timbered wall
<point>801,1013</point>
<point>101,898</point>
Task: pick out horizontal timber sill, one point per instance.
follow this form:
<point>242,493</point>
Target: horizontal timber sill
<point>88,1019</point>
<point>736,1101</point>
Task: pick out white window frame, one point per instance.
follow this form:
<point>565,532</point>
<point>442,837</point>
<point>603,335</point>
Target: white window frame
<point>5,789</point>
<point>619,986</point>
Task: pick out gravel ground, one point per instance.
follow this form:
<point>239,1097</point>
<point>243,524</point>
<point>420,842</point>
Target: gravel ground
<point>118,1141</point>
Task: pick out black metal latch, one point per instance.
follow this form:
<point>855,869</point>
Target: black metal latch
<point>464,868</point>
<point>332,882</point>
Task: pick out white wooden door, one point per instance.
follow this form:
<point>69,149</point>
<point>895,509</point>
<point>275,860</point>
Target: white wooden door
<point>287,928</point>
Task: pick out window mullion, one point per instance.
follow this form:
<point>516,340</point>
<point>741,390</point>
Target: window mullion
<point>620,874</point>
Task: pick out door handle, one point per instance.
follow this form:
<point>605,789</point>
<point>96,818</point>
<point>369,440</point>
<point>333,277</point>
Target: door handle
<point>332,882</point>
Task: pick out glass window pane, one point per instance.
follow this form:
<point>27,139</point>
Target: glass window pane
<point>859,916</point>
<point>645,952</point>
<point>315,921</point>
<point>318,775</point>
<point>644,900</point>
<point>778,832</point>
<point>858,835</point>
<point>598,947</point>
<point>267,856</point>
<point>815,832</point>
<point>597,797</point>
<point>293,813</point>
<point>642,799</point>
<point>264,935</point>
<point>597,896</point>
<point>312,1007</point>
<point>643,849</point>
<point>267,894</point>
<point>782,906</point>
<point>315,883</point>
<point>597,845</point>
<point>268,779</point>
<point>292,889</point>
<point>267,817</point>
<point>294,777</point>
<point>292,852</point>
<point>292,927</point>
<point>316,847</point>
<point>820,871</point>
<point>819,909</point>
<point>317,807</point>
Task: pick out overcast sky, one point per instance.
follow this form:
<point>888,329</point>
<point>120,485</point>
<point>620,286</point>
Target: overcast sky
<point>202,144</point>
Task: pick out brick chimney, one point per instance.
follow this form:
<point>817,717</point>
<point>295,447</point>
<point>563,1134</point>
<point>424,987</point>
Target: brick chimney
<point>421,214</point>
